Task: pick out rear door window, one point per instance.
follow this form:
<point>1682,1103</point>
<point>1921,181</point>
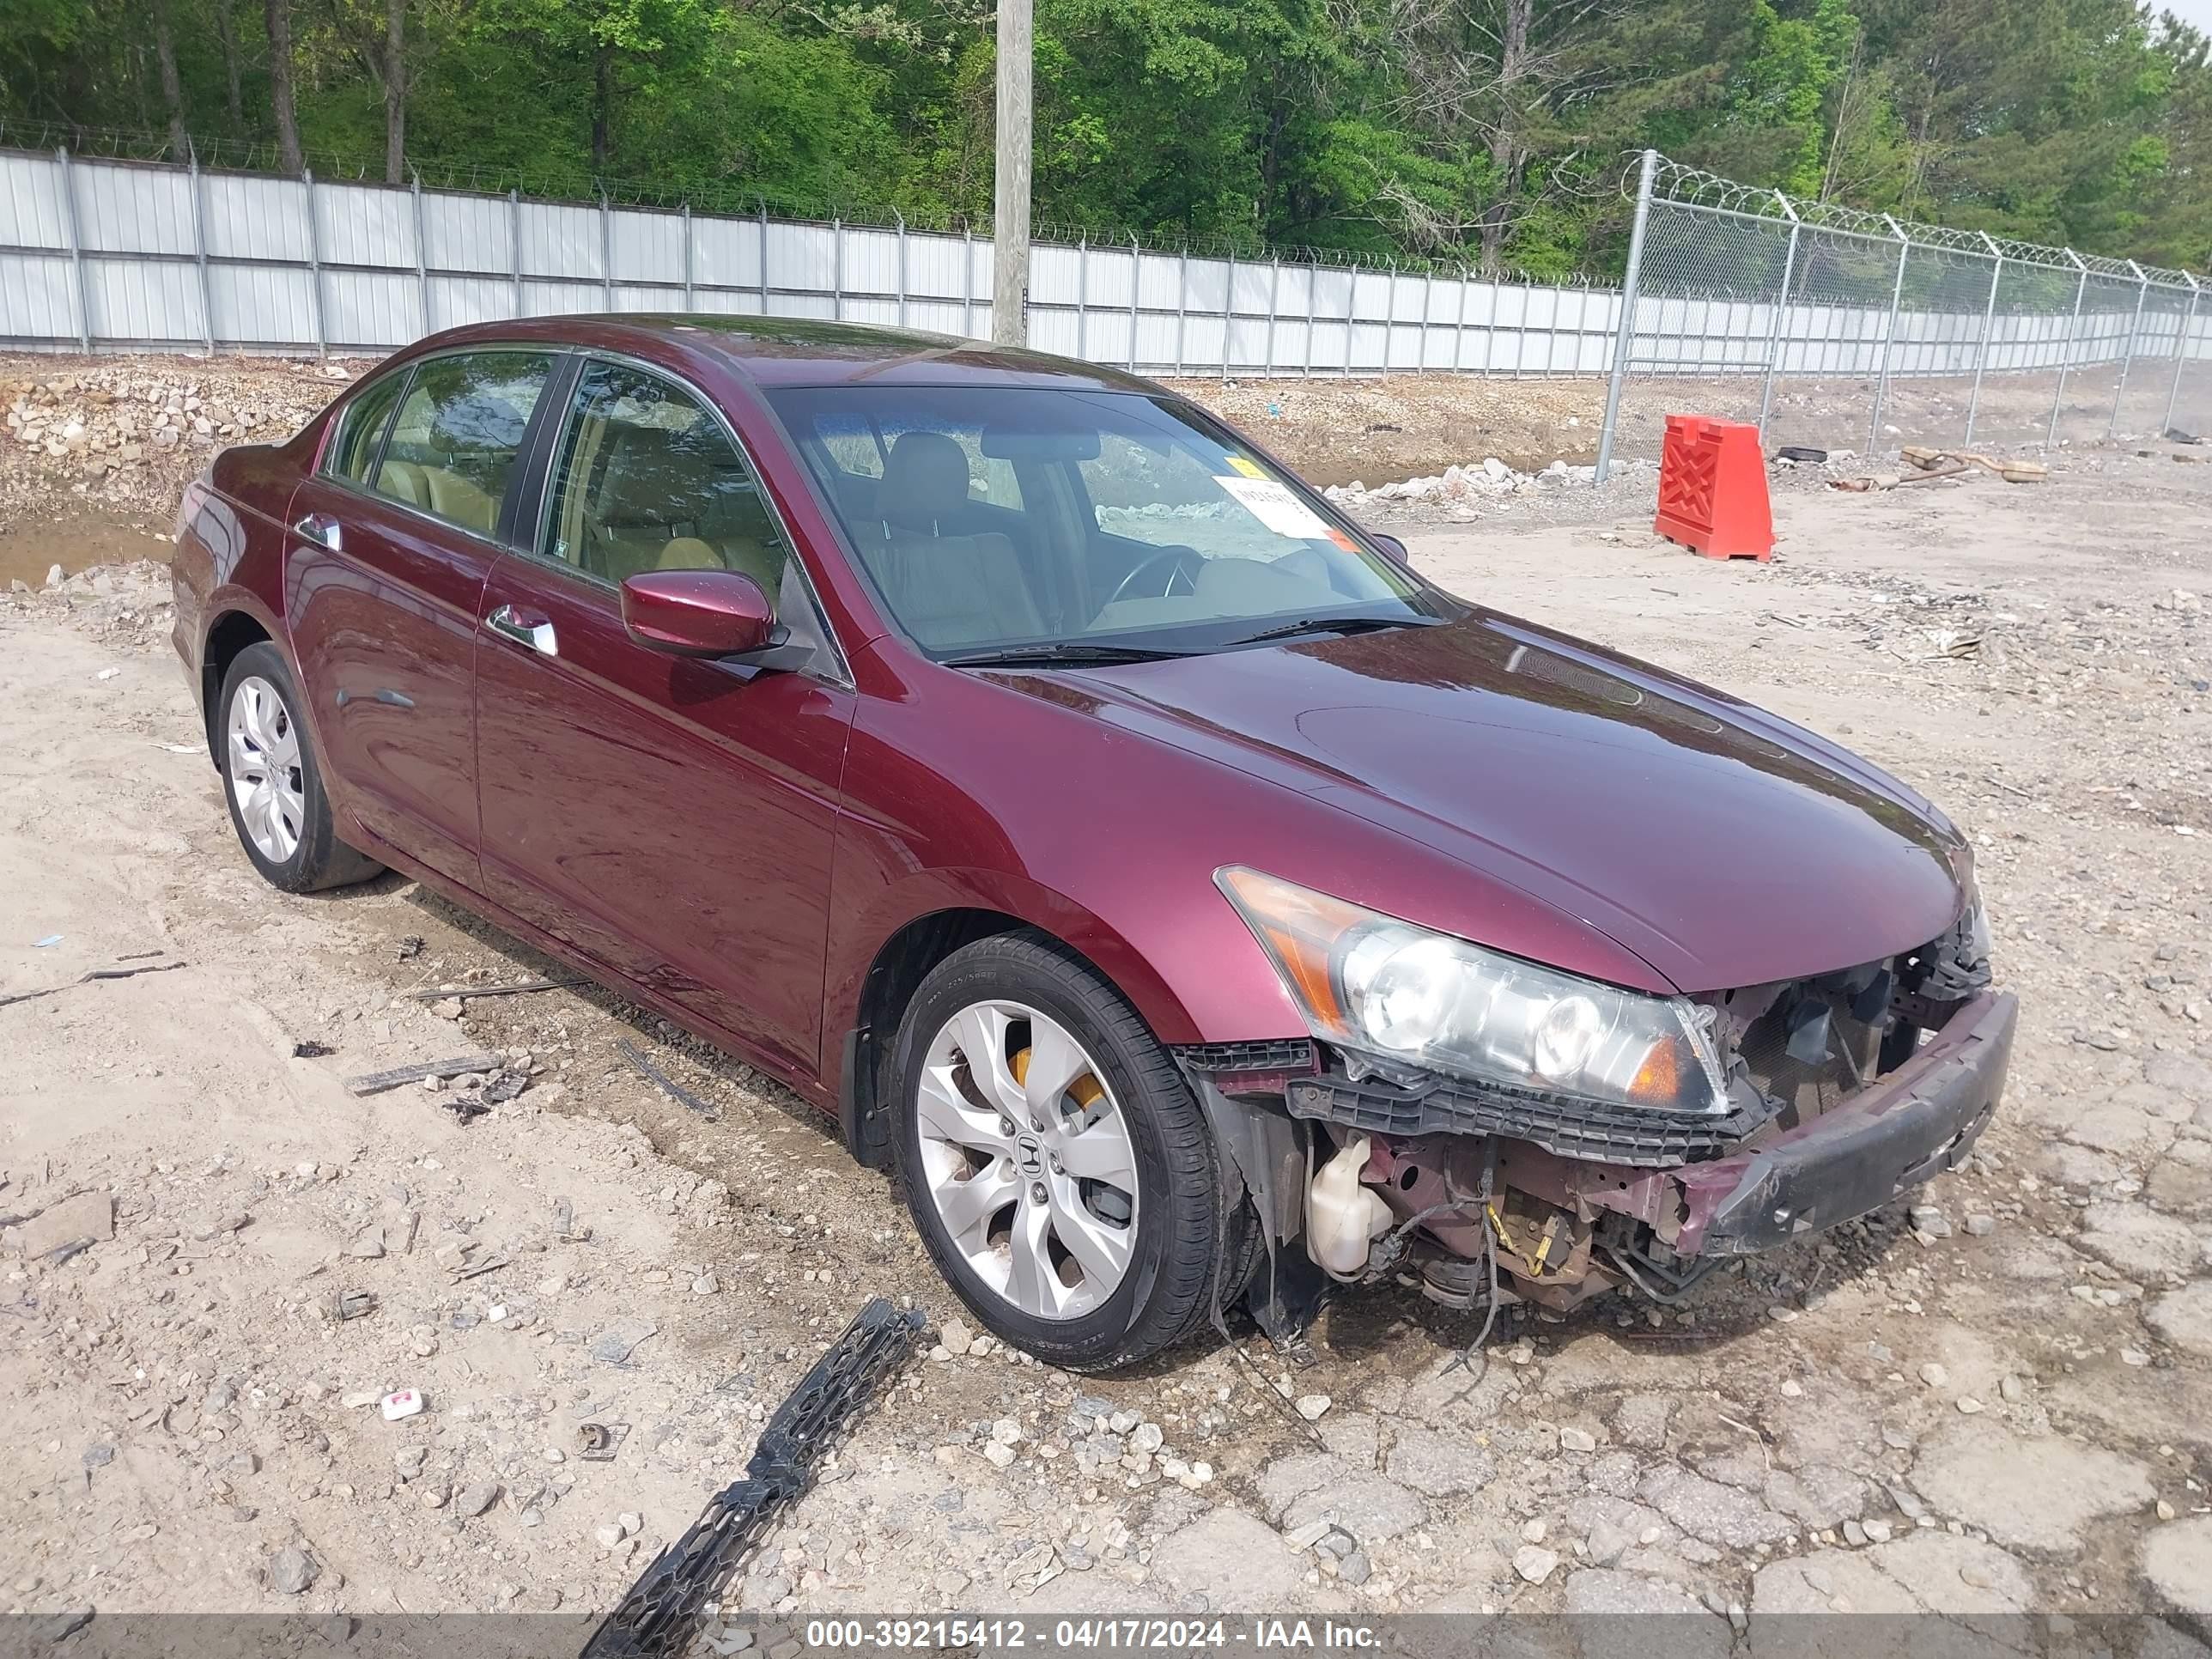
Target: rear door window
<point>456,440</point>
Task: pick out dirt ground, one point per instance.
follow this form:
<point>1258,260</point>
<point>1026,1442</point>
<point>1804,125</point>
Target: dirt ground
<point>2000,1404</point>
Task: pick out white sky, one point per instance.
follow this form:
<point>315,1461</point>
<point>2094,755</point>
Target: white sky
<point>2198,12</point>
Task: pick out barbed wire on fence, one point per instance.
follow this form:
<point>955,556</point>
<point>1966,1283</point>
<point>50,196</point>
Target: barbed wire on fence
<point>1726,278</point>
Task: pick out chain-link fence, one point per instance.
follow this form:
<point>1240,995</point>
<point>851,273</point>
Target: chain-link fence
<point>1842,330</point>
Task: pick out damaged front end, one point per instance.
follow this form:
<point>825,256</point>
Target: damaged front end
<point>1836,1093</point>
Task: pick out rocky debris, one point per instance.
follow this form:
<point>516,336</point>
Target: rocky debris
<point>1460,484</point>
<point>2177,1560</point>
<point>2037,1493</point>
<point>131,431</point>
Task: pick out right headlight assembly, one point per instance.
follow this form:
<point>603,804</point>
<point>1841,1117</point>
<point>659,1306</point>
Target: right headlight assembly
<point>1407,997</point>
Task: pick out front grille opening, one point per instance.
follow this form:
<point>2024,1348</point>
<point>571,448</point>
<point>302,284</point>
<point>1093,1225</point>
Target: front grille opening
<point>1818,1041</point>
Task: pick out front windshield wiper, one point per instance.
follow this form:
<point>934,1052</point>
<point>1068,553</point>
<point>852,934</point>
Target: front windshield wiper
<point>1334,625</point>
<point>1066,653</point>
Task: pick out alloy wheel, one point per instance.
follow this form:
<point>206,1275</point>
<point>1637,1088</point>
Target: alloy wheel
<point>265,777</point>
<point>1026,1154</point>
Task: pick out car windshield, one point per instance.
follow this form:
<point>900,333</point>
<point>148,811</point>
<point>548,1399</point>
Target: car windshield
<point>1031,523</point>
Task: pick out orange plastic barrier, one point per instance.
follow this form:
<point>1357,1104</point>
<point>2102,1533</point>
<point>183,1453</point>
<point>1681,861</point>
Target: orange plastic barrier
<point>1712,488</point>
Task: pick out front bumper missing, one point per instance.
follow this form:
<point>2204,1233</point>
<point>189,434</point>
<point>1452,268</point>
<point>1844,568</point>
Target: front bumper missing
<point>1734,1199</point>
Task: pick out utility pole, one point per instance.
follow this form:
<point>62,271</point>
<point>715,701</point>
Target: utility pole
<point>1009,209</point>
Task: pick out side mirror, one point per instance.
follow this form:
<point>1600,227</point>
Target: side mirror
<point>1393,546</point>
<point>699,613</point>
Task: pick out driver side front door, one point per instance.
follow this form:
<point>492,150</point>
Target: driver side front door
<point>671,818</point>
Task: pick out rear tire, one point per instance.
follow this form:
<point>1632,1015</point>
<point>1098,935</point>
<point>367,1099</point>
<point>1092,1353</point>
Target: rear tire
<point>976,1154</point>
<point>272,783</point>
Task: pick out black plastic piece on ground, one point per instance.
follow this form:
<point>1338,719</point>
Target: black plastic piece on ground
<point>659,1614</point>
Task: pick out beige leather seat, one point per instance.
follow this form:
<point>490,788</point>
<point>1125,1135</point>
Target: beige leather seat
<point>457,501</point>
<point>948,589</point>
<point>404,482</point>
<point>653,489</point>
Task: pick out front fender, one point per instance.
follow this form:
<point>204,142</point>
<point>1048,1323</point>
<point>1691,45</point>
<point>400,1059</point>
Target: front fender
<point>1191,968</point>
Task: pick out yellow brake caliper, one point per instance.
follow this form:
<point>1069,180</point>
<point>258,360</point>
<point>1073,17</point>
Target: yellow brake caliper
<point>1085,1092</point>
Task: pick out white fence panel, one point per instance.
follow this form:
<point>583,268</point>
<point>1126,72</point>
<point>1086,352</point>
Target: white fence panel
<point>132,210</point>
<point>38,299</point>
<point>365,225</point>
<point>153,254</point>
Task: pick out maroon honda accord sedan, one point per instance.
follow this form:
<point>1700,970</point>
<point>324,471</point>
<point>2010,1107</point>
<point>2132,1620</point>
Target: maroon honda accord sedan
<point>1194,905</point>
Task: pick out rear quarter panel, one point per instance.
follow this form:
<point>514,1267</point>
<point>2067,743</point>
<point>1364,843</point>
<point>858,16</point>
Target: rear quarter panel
<point>230,543</point>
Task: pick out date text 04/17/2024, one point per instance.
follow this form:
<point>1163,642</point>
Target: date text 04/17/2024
<point>1150,1635</point>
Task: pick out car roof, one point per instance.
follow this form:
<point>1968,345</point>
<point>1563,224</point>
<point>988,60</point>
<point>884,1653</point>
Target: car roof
<point>804,351</point>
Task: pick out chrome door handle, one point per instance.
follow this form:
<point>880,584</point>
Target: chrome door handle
<point>321,529</point>
<point>533,631</point>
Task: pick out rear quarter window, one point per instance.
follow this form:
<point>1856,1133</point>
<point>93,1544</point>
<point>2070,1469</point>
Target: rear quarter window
<point>361,425</point>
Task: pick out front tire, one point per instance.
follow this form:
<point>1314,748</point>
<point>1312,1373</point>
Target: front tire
<point>272,783</point>
<point>1063,1178</point>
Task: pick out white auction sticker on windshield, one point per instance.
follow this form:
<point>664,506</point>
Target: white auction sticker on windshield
<point>1274,506</point>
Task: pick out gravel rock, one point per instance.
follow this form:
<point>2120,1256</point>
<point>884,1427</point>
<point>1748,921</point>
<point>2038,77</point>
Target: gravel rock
<point>292,1572</point>
<point>1534,1563</point>
<point>475,1497</point>
<point>1578,1440</point>
<point>1311,1407</point>
<point>956,1337</point>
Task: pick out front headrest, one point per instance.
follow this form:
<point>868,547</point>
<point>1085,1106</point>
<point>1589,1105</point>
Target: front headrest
<point>925,479</point>
<point>638,487</point>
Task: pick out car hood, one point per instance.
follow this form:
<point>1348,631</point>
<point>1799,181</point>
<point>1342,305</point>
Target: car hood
<point>1721,844</point>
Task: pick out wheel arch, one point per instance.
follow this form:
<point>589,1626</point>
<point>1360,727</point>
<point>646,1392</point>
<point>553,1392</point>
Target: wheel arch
<point>906,957</point>
<point>230,634</point>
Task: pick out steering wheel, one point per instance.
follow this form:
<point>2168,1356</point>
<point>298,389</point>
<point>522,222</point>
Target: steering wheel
<point>1182,563</point>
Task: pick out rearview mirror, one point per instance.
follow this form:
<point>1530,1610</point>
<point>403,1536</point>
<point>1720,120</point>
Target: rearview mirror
<point>1393,546</point>
<point>699,613</point>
